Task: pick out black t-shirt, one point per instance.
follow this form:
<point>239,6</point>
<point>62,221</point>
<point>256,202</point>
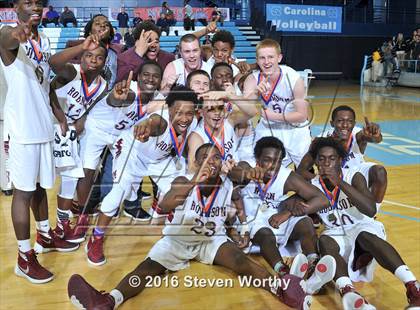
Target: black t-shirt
<point>122,20</point>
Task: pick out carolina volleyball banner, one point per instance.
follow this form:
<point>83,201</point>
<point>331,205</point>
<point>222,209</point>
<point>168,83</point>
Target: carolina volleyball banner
<point>304,18</point>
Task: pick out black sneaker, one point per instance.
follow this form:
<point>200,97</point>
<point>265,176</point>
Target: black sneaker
<point>137,214</point>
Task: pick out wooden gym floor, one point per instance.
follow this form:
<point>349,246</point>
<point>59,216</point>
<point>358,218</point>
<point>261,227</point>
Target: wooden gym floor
<point>127,244</point>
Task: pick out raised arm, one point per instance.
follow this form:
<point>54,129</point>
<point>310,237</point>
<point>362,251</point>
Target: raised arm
<point>60,62</point>
<point>371,133</point>
<point>181,188</point>
<point>10,38</point>
<point>122,95</point>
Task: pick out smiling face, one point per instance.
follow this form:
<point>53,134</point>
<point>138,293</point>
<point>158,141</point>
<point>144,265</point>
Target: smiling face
<point>153,50</point>
<point>212,157</point>
<point>222,51</point>
<point>270,159</point>
<point>191,54</point>
<point>268,60</point>
<point>199,83</point>
<point>92,62</point>
<point>222,77</point>
<point>101,27</point>
<point>29,11</point>
<point>181,114</point>
<point>214,113</point>
<point>149,78</point>
<point>343,124</point>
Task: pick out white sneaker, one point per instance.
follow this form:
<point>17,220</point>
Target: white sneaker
<point>354,301</point>
<point>324,273</point>
<point>299,266</point>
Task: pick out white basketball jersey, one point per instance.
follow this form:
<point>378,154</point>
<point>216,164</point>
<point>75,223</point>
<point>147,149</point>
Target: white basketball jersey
<point>355,157</point>
<point>201,218</point>
<point>344,213</point>
<point>155,154</point>
<point>27,113</point>
<point>78,100</point>
<point>282,90</point>
<point>114,120</point>
<point>182,72</point>
<point>228,141</point>
<point>253,194</point>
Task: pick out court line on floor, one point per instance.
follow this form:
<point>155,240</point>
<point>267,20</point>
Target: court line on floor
<point>400,204</point>
<point>415,219</point>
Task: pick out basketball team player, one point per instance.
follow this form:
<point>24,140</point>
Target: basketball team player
<point>217,126</point>
<point>195,232</point>
<point>223,80</point>
<point>176,72</point>
<point>354,140</point>
<point>24,54</point>
<point>263,204</point>
<point>352,235</point>
<point>142,156</point>
<point>284,110</point>
<point>82,86</point>
<point>105,122</point>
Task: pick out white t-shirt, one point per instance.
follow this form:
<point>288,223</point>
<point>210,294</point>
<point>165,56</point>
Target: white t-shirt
<point>28,116</point>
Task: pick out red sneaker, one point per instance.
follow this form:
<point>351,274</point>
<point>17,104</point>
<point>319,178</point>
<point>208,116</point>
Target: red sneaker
<point>28,267</point>
<point>95,251</point>
<point>352,300</point>
<point>294,294</point>
<point>65,232</point>
<point>84,296</point>
<point>413,293</point>
<point>52,242</point>
<point>81,228</point>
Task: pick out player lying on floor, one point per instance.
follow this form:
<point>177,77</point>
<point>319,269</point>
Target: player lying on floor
<point>352,235</point>
<point>263,204</point>
<point>200,204</point>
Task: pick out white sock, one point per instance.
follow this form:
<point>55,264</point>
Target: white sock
<point>24,245</point>
<point>43,226</point>
<point>343,282</point>
<point>404,274</point>
<point>118,297</point>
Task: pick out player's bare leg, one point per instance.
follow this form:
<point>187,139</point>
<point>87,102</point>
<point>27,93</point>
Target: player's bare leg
<point>328,246</point>
<point>231,257</point>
